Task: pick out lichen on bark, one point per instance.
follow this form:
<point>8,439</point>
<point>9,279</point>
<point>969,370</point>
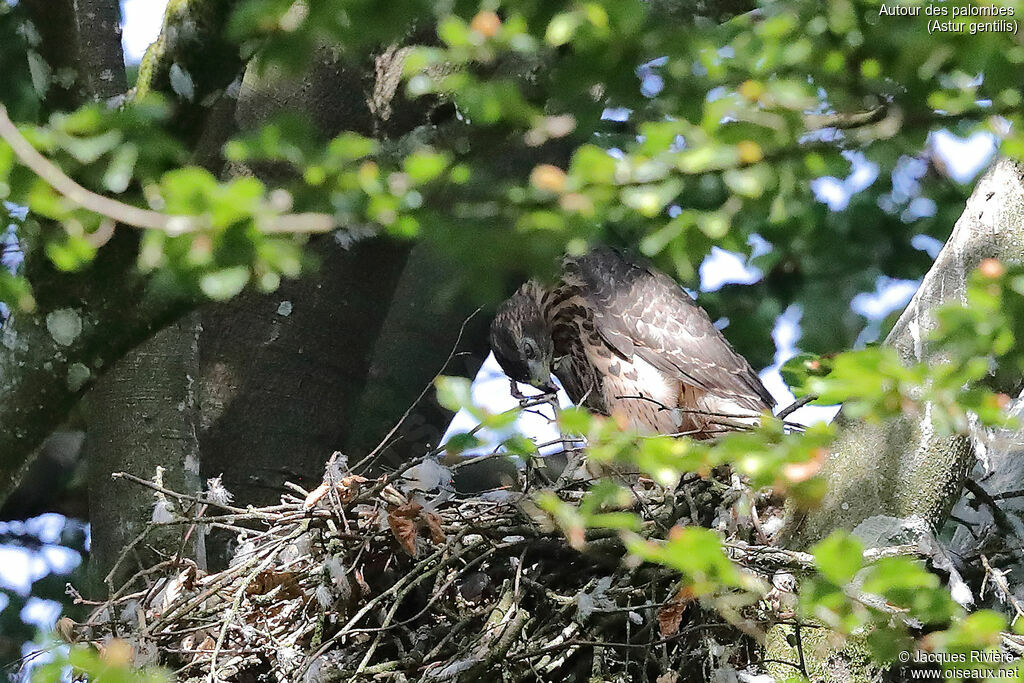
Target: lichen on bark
<point>903,467</point>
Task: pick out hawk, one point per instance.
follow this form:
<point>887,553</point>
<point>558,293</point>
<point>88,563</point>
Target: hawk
<point>626,340</point>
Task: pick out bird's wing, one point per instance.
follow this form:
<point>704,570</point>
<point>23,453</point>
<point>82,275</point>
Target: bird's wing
<point>640,310</point>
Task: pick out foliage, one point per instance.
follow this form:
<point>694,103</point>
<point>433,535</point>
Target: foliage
<point>110,664</point>
<point>719,132</point>
<point>63,545</point>
<point>890,599</point>
<point>583,122</point>
<point>975,341</point>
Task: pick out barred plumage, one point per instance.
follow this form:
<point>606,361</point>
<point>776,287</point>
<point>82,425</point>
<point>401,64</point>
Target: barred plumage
<point>625,340</point>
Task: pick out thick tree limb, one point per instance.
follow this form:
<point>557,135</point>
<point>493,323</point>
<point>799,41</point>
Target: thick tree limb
<point>903,468</point>
<point>50,359</point>
<point>144,412</point>
<point>107,306</point>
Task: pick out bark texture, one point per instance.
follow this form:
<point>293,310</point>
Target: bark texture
<point>330,361</point>
<point>53,355</point>
<point>143,413</point>
<point>49,360</point>
<point>280,372</point>
<point>55,22</point>
<point>902,468</point>
<point>420,331</point>
<point>99,48</point>
<point>142,417</point>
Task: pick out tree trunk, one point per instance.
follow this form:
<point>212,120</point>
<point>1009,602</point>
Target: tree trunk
<point>280,372</point>
<point>902,468</point>
<point>54,21</point>
<point>421,330</point>
<point>99,48</point>
<point>142,416</point>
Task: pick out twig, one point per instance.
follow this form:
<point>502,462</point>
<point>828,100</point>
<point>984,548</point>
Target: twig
<point>998,515</point>
<point>845,120</point>
<point>795,406</point>
<point>370,459</point>
<point>236,603</point>
<point>1005,594</point>
<point>134,216</point>
<point>771,556</point>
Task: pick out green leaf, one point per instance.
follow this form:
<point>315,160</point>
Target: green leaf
<point>520,445</point>
<point>424,165</point>
<point>562,27</point>
<point>693,551</point>
<point>454,393</point>
<point>71,253</point>
<point>459,443</point>
<point>591,164</point>
<point>186,191</point>
<point>575,421</point>
<point>350,146</point>
<point>88,150</point>
<point>224,283</point>
<point>121,167</point>
<point>839,557</point>
<point>798,369</point>
<point>615,520</point>
<point>453,31</point>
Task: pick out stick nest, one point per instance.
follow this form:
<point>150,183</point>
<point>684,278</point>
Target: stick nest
<point>375,579</point>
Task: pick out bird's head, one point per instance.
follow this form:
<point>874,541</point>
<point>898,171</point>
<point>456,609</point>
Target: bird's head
<point>521,339</point>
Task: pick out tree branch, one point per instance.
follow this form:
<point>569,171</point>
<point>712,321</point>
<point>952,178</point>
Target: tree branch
<point>99,48</point>
<point>134,216</point>
<point>903,467</point>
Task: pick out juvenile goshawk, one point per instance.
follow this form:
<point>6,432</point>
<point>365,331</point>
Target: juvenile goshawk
<point>625,340</point>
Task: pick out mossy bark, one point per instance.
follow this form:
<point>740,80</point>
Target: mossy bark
<point>826,656</point>
<point>903,467</point>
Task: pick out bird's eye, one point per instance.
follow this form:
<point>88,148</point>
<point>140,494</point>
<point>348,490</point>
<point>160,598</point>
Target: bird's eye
<point>530,350</point>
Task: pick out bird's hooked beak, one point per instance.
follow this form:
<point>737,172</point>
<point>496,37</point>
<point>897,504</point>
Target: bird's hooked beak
<point>540,376</point>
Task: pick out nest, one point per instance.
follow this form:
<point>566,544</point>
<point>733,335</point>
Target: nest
<point>376,578</point>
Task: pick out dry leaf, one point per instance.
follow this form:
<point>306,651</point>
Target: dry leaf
<point>65,628</point>
<point>315,496</point>
<point>434,525</point>
<point>170,593</point>
<point>408,510</point>
<point>671,615</point>
<point>116,653</point>
<point>349,486</point>
<point>669,618</point>
<point>268,579</point>
<point>364,587</point>
<point>402,521</point>
<point>392,496</point>
<point>188,577</point>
